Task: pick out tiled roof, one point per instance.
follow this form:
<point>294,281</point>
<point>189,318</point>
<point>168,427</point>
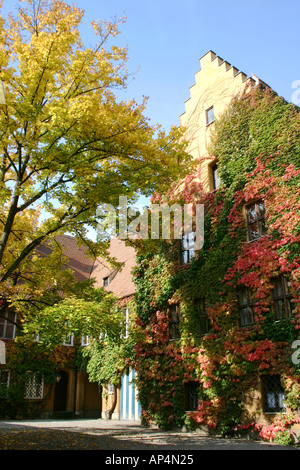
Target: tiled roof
<point>86,267</point>
<point>120,282</point>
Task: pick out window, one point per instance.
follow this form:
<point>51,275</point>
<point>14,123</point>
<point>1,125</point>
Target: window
<point>126,312</point>
<point>85,340</point>
<point>281,298</point>
<point>245,306</point>
<point>255,214</point>
<point>210,115</point>
<point>187,251</point>
<point>34,386</point>
<point>272,394</point>
<point>7,325</point>
<point>36,337</point>
<point>68,339</point>
<point>203,324</point>
<point>191,395</point>
<point>216,178</point>
<point>174,322</point>
<point>4,382</point>
<point>105,281</point>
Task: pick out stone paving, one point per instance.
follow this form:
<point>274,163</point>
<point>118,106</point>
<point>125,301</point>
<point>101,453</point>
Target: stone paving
<point>107,436</point>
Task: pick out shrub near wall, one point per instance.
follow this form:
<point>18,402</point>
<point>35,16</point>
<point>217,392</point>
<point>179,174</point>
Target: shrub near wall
<point>257,146</point>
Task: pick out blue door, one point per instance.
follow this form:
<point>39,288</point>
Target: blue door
<point>130,408</point>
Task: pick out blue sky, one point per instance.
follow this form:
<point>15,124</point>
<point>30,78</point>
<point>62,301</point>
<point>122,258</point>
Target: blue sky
<point>166,39</point>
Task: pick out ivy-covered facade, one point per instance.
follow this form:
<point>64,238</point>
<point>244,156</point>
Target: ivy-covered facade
<point>218,328</point>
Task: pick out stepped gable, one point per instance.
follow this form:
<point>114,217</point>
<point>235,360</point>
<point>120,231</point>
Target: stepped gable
<point>213,70</point>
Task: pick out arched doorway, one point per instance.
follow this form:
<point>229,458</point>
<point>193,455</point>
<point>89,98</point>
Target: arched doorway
<point>60,392</point>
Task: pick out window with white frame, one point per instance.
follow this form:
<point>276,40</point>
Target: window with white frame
<point>34,386</point>
<point>210,115</point>
<point>8,325</point>
<point>126,312</point>
<point>69,339</point>
<point>4,382</point>
<point>85,340</point>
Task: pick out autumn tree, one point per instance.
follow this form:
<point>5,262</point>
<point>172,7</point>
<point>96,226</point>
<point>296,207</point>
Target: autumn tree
<point>68,143</point>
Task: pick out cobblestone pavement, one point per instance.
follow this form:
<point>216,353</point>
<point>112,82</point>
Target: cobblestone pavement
<point>107,436</point>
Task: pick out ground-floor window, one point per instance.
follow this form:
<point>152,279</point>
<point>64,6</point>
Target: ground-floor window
<point>4,382</point>
<point>191,396</point>
<point>272,394</point>
<point>34,386</point>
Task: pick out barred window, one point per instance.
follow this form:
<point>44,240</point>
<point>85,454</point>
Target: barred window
<point>272,394</point>
<point>256,220</point>
<point>245,305</point>
<point>34,386</point>
<point>191,396</point>
<point>7,325</point>
<point>4,382</point>
<point>187,251</point>
<point>174,322</point>
<point>203,324</point>
<point>281,298</point>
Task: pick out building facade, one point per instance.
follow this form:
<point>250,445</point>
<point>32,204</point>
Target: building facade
<point>218,326</point>
<point>69,391</point>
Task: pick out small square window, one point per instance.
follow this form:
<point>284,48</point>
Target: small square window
<point>210,115</point>
<point>85,340</point>
<point>105,281</point>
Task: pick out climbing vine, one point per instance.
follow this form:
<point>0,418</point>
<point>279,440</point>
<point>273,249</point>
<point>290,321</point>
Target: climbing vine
<point>257,145</point>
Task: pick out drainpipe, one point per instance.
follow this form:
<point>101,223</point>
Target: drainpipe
<point>75,389</point>
<point>109,412</point>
